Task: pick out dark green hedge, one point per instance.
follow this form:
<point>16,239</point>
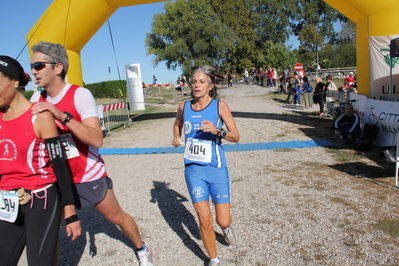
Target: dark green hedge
<point>108,89</point>
<point>28,94</point>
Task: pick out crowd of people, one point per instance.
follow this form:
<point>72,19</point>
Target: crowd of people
<point>269,76</point>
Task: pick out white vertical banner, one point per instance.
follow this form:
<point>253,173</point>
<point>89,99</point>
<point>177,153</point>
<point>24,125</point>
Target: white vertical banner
<point>135,87</point>
<point>379,49</point>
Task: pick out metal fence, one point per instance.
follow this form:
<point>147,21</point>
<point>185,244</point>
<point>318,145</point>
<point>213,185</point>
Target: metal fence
<point>113,115</point>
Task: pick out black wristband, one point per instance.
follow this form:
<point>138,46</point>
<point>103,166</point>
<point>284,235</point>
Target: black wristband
<point>67,118</point>
<point>71,219</point>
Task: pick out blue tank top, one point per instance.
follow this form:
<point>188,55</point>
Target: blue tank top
<point>202,148</point>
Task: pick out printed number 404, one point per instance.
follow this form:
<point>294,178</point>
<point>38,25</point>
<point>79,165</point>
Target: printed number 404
<point>197,149</point>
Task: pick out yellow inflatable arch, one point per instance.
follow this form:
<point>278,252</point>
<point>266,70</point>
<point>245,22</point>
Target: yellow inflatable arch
<point>73,23</point>
<point>372,18</point>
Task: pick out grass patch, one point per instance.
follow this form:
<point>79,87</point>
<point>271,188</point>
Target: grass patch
<point>388,226</point>
<point>339,201</point>
<point>284,150</point>
<point>346,156</point>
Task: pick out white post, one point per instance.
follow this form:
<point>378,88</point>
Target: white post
<point>135,87</point>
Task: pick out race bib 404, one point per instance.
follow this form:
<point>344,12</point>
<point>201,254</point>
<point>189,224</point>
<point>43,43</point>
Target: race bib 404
<point>198,150</point>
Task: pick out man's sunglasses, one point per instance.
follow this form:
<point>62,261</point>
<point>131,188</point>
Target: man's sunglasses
<point>40,65</point>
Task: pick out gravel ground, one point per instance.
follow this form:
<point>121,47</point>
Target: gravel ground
<point>305,206</point>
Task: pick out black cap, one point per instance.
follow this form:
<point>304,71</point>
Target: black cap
<point>11,68</point>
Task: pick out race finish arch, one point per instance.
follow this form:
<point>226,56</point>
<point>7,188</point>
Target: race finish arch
<point>73,23</point>
<point>376,25</point>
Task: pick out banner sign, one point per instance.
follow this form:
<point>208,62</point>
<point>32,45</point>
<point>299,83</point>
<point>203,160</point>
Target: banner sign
<point>380,61</point>
<point>384,114</point>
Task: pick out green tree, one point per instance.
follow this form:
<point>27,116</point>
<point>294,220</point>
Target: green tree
<point>186,31</point>
<point>236,16</point>
<point>235,34</point>
<point>310,43</point>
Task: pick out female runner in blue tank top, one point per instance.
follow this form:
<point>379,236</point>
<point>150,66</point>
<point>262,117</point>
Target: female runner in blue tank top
<point>206,173</point>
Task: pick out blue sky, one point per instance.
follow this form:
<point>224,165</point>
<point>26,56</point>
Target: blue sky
<point>129,26</point>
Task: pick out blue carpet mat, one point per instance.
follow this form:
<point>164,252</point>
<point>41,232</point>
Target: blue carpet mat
<point>227,147</point>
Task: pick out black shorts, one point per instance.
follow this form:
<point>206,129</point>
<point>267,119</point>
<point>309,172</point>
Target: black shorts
<point>93,192</point>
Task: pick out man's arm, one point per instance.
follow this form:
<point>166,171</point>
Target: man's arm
<point>88,131</point>
<point>355,124</point>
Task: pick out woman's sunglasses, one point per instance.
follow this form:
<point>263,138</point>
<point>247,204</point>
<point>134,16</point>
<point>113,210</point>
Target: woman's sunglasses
<point>40,65</point>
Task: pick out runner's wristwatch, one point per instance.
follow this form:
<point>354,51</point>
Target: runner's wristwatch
<point>221,132</point>
<point>67,118</point>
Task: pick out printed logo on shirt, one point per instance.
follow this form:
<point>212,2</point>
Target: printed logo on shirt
<point>8,150</point>
<point>187,127</point>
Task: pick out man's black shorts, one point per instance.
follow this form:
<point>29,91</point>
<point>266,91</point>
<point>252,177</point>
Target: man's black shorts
<point>93,192</point>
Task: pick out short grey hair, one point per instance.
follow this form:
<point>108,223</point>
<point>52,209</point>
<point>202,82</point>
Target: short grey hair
<point>56,54</point>
<point>213,78</point>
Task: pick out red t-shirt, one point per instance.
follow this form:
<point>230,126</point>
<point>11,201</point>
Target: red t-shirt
<point>349,80</point>
<point>85,161</point>
<point>24,159</point>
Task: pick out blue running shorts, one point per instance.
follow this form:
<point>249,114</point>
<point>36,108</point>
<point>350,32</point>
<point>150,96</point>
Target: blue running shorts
<point>204,181</point>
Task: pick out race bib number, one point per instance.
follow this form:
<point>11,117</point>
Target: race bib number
<point>70,146</point>
<point>9,205</point>
<point>198,150</point>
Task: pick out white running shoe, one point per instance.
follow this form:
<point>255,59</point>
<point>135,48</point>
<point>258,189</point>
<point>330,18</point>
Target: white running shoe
<point>229,235</point>
<point>145,256</point>
<point>214,263</point>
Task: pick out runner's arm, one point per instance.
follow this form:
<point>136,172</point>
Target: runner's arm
<point>177,126</point>
<point>228,119</point>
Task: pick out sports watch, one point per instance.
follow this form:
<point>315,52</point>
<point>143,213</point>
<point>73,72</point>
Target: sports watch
<point>221,132</point>
<point>67,118</point>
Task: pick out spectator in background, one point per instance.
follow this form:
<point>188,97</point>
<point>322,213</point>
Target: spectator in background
<point>254,75</point>
<point>261,76</point>
<point>349,81</point>
<point>229,80</point>
<point>271,77</point>
<point>306,91</point>
<point>290,88</point>
<point>347,126</point>
<point>330,84</point>
<point>178,85</point>
<point>281,76</point>
<point>154,80</point>
<point>246,76</point>
<point>319,96</point>
<point>297,90</point>
<point>275,77</point>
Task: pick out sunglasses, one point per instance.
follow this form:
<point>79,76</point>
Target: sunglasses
<point>40,65</point>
